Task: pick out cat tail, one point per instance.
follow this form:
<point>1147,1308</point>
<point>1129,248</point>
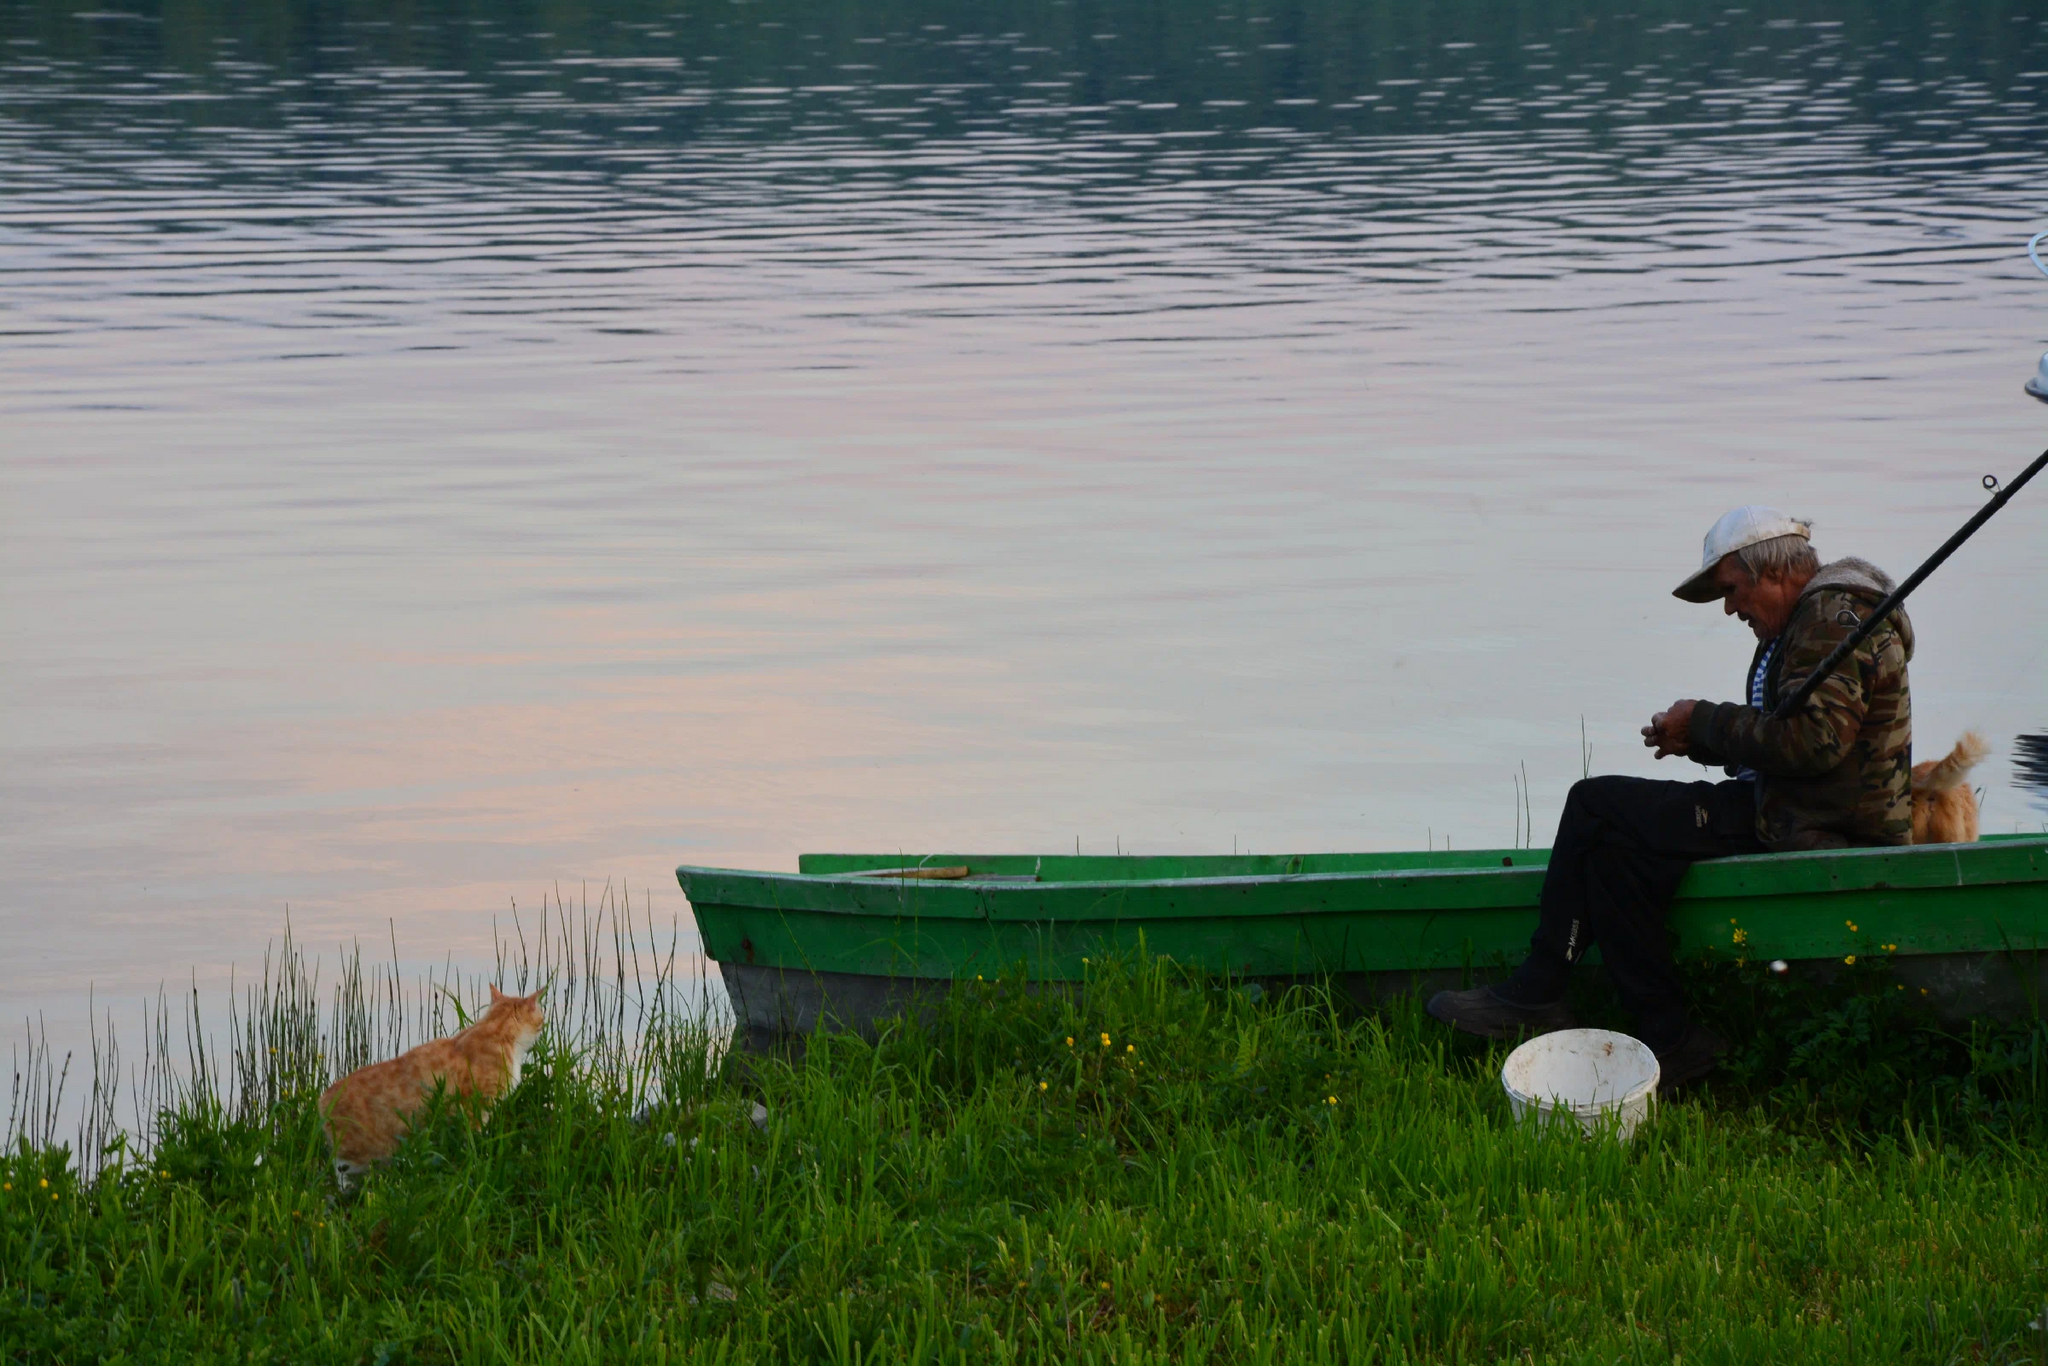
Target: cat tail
<point>1955,769</point>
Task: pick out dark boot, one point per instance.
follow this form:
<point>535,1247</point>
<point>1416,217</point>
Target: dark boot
<point>1484,1012</point>
<point>1694,1055</point>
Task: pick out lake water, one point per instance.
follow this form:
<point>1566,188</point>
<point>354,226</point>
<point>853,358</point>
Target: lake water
<point>453,453</point>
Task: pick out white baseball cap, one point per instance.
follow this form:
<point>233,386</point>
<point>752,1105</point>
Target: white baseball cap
<point>1744,526</point>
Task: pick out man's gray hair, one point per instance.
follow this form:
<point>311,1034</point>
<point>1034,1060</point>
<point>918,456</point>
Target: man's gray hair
<point>1784,556</point>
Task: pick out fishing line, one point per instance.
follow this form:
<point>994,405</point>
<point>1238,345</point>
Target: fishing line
<point>2000,496</point>
<point>2038,385</point>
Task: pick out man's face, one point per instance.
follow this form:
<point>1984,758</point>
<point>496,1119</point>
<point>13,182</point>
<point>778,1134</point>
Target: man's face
<point>1764,604</point>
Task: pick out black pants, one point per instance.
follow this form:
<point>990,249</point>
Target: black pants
<point>1621,849</point>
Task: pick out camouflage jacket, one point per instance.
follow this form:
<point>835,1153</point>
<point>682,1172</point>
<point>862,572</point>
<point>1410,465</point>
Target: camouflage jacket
<point>1839,771</point>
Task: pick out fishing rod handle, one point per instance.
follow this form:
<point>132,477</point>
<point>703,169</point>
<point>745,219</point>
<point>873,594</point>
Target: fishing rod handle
<point>1898,595</point>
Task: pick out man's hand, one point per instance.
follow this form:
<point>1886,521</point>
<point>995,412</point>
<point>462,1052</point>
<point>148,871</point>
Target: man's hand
<point>1666,732</point>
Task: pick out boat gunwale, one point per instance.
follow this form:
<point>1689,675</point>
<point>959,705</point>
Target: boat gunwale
<point>1045,885</point>
<point>948,894</point>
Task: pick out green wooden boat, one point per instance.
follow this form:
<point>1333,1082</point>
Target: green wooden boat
<point>852,938</point>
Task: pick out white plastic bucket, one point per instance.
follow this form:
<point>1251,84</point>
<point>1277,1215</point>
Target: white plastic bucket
<point>1602,1079</point>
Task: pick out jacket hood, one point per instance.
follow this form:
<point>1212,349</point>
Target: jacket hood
<point>1852,575</point>
<point>1864,580</point>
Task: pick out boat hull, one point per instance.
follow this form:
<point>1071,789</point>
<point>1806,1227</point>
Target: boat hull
<point>834,943</point>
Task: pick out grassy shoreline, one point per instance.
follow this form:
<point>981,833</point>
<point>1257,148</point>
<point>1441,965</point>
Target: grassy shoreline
<point>1197,1175</point>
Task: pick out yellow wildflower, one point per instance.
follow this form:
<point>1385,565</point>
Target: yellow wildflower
<point>1070,1041</point>
<point>1850,960</point>
<point>6,1186</point>
<point>1041,1086</point>
<point>1130,1048</point>
<point>44,1183</point>
<point>1105,1041</point>
<point>1851,924</point>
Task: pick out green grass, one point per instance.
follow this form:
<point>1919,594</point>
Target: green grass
<point>1230,1178</point>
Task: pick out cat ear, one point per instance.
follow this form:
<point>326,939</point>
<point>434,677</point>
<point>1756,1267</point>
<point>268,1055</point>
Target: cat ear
<point>496,995</point>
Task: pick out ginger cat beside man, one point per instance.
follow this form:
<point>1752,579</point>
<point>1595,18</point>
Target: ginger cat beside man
<point>1944,808</point>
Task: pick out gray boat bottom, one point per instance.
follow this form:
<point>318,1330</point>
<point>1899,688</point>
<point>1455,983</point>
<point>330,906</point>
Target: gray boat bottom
<point>774,1009</point>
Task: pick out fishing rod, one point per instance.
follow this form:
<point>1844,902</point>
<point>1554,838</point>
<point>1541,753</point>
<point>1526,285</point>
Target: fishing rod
<point>2038,387</point>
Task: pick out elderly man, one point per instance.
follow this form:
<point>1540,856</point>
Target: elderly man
<point>1836,773</point>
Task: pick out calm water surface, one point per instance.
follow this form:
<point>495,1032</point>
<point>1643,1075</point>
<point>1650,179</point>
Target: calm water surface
<point>454,452</point>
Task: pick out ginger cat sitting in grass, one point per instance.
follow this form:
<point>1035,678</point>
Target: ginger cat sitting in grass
<point>1944,808</point>
<point>368,1111</point>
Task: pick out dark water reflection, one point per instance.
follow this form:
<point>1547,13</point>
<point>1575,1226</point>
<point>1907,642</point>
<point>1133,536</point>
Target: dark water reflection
<point>457,449</point>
